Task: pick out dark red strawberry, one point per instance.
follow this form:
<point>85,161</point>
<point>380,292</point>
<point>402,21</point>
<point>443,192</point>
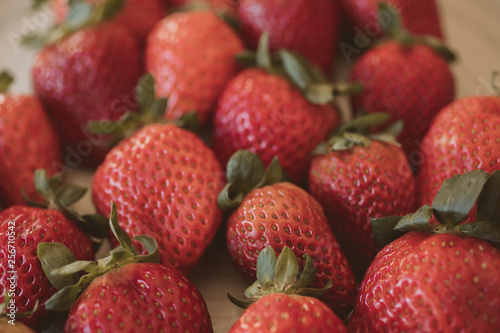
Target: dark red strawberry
<point>440,278</point>
<point>310,28</point>
<point>275,214</point>
<point>27,142</point>
<point>406,78</point>
<point>463,137</point>
<point>191,56</point>
<point>356,176</point>
<point>420,17</point>
<point>22,228</point>
<point>88,75</point>
<point>279,300</point>
<point>124,291</point>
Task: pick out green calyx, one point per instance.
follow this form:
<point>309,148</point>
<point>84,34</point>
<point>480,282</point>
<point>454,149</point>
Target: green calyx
<point>60,197</point>
<point>451,206</point>
<point>392,24</point>
<point>6,80</point>
<point>246,172</point>
<point>151,110</point>
<point>281,276</point>
<point>82,14</point>
<point>63,270</point>
<point>494,82</point>
<point>298,70</point>
<point>359,132</point>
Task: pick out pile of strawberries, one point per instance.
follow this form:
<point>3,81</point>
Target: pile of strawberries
<point>221,117</point>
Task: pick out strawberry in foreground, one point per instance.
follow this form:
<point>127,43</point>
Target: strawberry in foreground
<point>269,212</point>
<point>191,56</point>
<point>280,300</point>
<point>360,174</point>
<point>463,137</point>
<point>165,181</point>
<point>22,118</point>
<point>437,278</point>
<point>409,77</point>
<point>124,291</point>
<point>22,228</point>
<point>88,74</point>
<point>310,28</point>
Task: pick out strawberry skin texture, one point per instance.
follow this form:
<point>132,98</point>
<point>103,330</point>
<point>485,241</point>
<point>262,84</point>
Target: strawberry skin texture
<point>420,17</point>
<point>31,227</point>
<point>281,313</point>
<point>413,84</point>
<point>267,115</point>
<point>309,27</point>
<point>465,136</point>
<point>285,215</point>
<point>356,185</point>
<point>165,182</point>
<point>27,142</point>
<point>140,298</point>
<point>192,57</point>
<point>431,283</point>
<point>90,75</point>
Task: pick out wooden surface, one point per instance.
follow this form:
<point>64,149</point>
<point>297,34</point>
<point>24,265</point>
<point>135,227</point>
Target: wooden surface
<point>472,29</point>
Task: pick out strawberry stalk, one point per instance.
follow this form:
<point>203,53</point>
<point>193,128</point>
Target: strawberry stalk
<point>280,276</point>
<point>451,206</point>
<point>63,270</point>
<point>395,29</point>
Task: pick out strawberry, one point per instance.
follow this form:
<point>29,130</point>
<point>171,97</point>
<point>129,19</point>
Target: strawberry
<point>280,303</point>
<point>272,115</point>
<point>22,118</point>
<point>165,180</point>
<point>420,17</point>
<point>310,28</point>
<point>191,56</point>
<point>357,176</point>
<point>437,278</point>
<point>88,75</point>
<point>463,137</point>
<point>22,228</point>
<point>123,291</point>
<point>279,214</point>
<point>406,78</point>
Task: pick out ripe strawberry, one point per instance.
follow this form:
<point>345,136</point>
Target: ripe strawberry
<point>88,75</point>
<point>22,118</point>
<point>310,28</point>
<point>463,137</point>
<point>269,115</point>
<point>443,281</point>
<point>420,17</point>
<point>279,215</point>
<point>191,56</point>
<point>125,291</point>
<point>277,305</point>
<point>22,228</point>
<point>410,82</point>
<point>355,179</point>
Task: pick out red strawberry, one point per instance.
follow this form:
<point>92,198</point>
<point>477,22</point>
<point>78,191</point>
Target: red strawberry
<point>410,82</point>
<point>420,17</point>
<point>274,301</point>
<point>280,215</point>
<point>307,27</point>
<point>88,75</point>
<point>22,119</point>
<point>126,291</point>
<point>22,228</point>
<point>463,137</point>
<point>356,179</point>
<point>443,281</point>
<point>270,116</point>
<point>191,56</point>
